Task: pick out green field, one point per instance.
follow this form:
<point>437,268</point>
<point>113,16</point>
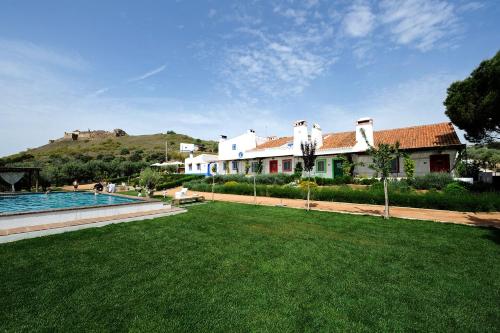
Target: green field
<point>229,267</point>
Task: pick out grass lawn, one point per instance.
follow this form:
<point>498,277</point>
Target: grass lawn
<point>230,267</point>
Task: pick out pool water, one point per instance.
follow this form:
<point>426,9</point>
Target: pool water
<point>41,201</point>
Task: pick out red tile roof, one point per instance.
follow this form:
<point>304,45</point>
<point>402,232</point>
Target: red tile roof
<point>424,136</point>
<point>275,143</point>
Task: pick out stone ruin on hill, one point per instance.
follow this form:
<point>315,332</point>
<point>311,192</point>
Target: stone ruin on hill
<point>90,135</point>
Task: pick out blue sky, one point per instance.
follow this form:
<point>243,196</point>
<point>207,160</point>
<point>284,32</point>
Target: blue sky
<point>217,67</point>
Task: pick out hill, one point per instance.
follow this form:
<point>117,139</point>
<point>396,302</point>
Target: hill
<point>108,157</point>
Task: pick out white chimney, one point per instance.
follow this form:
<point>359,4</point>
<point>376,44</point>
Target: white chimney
<point>299,135</point>
<point>364,125</point>
<point>223,138</point>
<point>317,135</point>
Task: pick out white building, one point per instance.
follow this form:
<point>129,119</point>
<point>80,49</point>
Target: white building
<point>200,165</point>
<point>433,147</point>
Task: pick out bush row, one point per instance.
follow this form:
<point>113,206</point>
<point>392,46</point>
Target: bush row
<point>174,180</point>
<point>447,200</point>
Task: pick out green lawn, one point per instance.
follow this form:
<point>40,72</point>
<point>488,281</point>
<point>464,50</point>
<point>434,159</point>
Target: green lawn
<point>229,267</point>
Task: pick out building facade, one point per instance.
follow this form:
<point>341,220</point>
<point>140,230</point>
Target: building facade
<point>201,164</point>
<point>434,148</point>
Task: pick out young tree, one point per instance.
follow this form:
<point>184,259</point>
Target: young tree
<point>213,168</point>
<point>382,157</point>
<point>258,171</point>
<point>309,157</point>
<point>473,104</point>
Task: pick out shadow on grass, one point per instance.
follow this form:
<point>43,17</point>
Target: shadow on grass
<point>493,236</point>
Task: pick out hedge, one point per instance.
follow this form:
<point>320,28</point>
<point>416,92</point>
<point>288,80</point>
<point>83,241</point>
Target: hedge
<point>435,200</point>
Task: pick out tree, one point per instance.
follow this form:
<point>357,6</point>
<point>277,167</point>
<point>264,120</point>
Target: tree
<point>297,172</point>
<point>486,157</point>
<point>258,171</point>
<point>409,166</point>
<point>149,179</point>
<point>247,167</point>
<point>213,168</point>
<point>473,104</point>
<point>309,157</point>
<point>382,157</point>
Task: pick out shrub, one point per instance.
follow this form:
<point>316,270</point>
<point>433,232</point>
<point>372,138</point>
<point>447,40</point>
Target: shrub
<point>231,183</point>
<point>366,181</point>
<point>434,180</point>
<point>409,167</point>
<point>307,183</point>
<point>437,200</point>
<point>455,188</point>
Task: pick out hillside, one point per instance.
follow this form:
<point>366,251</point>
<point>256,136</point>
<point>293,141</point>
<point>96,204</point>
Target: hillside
<point>150,145</point>
<point>103,158</point>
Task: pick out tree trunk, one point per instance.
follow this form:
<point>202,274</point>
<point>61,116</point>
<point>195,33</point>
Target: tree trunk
<point>213,187</point>
<point>308,190</point>
<point>386,197</point>
<point>254,191</point>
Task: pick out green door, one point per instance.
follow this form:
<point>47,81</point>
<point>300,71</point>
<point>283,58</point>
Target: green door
<point>337,168</point>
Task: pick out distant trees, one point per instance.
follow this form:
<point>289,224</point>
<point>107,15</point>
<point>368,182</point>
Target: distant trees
<point>473,104</point>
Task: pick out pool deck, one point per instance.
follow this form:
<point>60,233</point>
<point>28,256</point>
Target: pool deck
<point>14,234</point>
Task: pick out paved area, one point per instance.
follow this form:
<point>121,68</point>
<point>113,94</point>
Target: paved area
<point>446,216</point>
<point>13,234</point>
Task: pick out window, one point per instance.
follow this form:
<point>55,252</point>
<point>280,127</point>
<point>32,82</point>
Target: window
<point>255,167</point>
<point>321,166</point>
<point>198,167</point>
<point>395,165</point>
<point>235,165</point>
<point>287,165</point>
<point>214,167</point>
<point>223,166</point>
<point>190,166</point>
<point>234,146</point>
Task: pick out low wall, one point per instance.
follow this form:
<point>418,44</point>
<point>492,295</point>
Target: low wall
<point>73,214</point>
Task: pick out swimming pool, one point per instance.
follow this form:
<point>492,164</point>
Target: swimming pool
<point>57,200</point>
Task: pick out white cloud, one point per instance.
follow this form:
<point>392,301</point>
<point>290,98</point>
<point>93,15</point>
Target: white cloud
<point>148,74</point>
<point>422,24</point>
<point>359,21</point>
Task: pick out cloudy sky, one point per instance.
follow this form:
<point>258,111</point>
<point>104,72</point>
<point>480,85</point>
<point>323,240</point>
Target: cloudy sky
<point>217,67</point>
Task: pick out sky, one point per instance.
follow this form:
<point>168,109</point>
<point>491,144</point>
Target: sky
<point>206,68</point>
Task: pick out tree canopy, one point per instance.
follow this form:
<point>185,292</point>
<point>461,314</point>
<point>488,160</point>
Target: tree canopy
<point>473,104</point>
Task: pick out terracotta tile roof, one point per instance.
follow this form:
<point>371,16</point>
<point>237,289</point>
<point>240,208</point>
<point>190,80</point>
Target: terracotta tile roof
<point>424,136</point>
<point>275,143</point>
<point>339,140</point>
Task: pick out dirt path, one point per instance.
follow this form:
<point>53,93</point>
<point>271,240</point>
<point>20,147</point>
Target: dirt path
<point>446,216</point>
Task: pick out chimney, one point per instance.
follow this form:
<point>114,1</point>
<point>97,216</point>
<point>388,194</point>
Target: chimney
<point>366,125</point>
<point>191,155</point>
<point>223,138</point>
<point>299,135</point>
<point>251,131</point>
<point>317,135</point>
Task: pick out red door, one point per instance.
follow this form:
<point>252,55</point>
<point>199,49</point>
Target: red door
<point>273,166</point>
<point>440,163</point>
